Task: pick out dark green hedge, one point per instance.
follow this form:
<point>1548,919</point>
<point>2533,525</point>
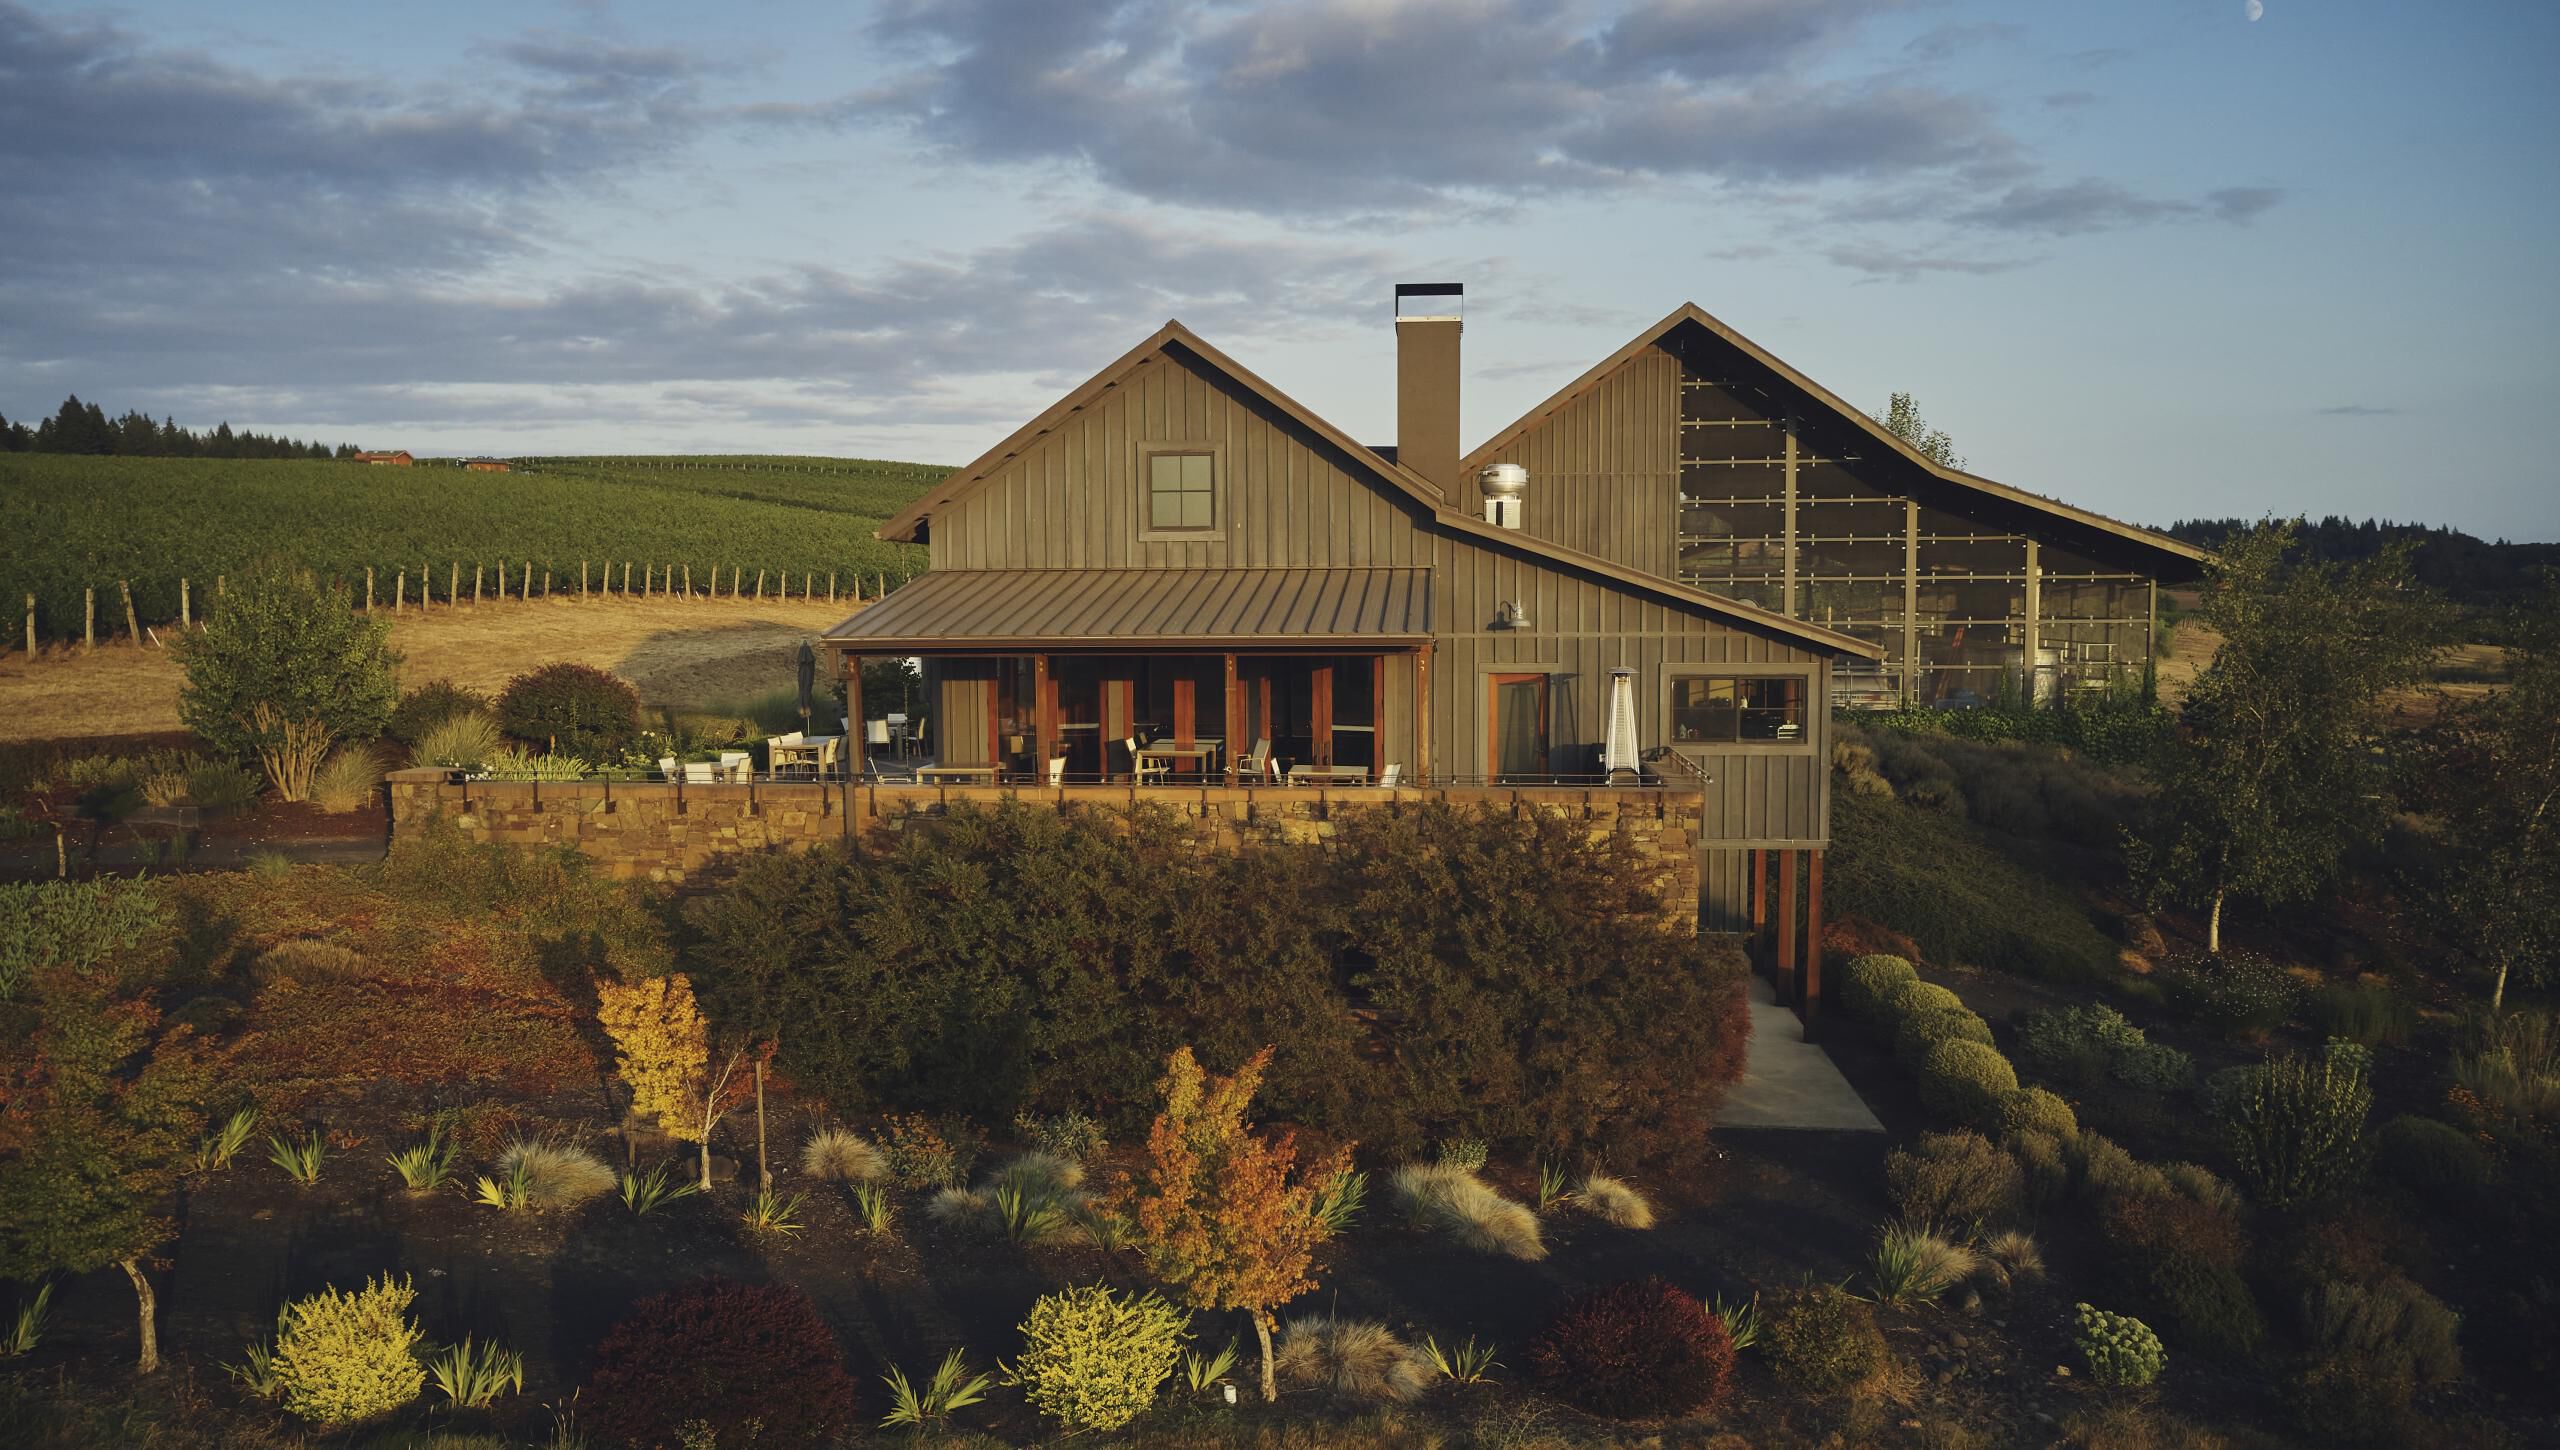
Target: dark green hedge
<point>1930,878</point>
<point>1431,973</point>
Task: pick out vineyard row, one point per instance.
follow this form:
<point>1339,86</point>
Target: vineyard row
<point>669,581</point>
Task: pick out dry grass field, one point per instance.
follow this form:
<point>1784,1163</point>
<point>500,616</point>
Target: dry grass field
<point>676,653</point>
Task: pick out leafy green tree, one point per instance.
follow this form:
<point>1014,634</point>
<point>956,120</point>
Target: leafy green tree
<point>2277,773</point>
<point>2485,775</point>
<point>101,1103</point>
<point>284,641</point>
<point>1901,417</point>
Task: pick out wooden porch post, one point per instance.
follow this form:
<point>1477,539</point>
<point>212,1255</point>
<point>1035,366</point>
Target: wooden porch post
<point>856,734</point>
<point>1784,975</point>
<point>1759,889</point>
<point>1044,714</point>
<point>1810,1002</point>
<point>1235,716</point>
<point>1320,713</point>
<point>1128,723</point>
<point>1422,716</point>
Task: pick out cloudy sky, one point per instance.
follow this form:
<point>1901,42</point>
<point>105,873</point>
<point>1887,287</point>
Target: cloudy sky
<point>2157,257</point>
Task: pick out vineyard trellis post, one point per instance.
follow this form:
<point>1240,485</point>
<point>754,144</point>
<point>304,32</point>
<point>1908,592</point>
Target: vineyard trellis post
<point>582,581</point>
<point>368,589</point>
<point>453,585</point>
<point>527,591</point>
<point>89,619</point>
<point>831,586</point>
<point>688,579</point>
<point>400,591</point>
<point>31,626</point>
<point>546,580</point>
<point>186,619</point>
<point>132,630</point>
<point>759,586</point>
<point>475,582</point>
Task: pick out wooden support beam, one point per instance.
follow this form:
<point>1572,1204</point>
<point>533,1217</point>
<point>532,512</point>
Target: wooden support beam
<point>1809,1004</point>
<point>1759,894</point>
<point>1235,718</point>
<point>856,734</point>
<point>1044,712</point>
<point>1783,974</point>
<point>1320,713</point>
<point>1422,716</point>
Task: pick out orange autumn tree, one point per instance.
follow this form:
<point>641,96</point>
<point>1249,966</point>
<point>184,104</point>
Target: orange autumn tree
<point>662,1052</point>
<point>1220,1216</point>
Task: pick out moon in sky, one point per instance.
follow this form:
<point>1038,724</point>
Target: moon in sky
<point>2255,9</point>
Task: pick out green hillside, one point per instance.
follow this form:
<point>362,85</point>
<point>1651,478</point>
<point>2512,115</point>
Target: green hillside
<point>68,523</point>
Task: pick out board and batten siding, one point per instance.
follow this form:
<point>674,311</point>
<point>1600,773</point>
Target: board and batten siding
<point>1072,499</point>
<point>1604,469</point>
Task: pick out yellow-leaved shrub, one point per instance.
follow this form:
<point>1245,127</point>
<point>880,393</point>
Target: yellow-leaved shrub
<point>345,1356</point>
<point>1092,1359</point>
<point>662,1048</point>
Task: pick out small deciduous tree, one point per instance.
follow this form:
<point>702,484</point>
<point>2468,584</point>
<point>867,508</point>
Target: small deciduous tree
<point>1901,418</point>
<point>95,1118</point>
<point>2277,773</point>
<point>662,1052</point>
<point>2485,774</point>
<point>1224,1215</point>
<point>286,666</point>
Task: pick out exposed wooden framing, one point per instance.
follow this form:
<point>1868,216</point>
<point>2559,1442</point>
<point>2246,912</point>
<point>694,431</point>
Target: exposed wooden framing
<point>1422,724</point>
<point>1910,601</point>
<point>1378,713</point>
<point>856,733</point>
<point>1788,496</point>
<point>1809,1001</point>
<point>1128,717</point>
<point>1320,713</point>
<point>2035,602</point>
<point>1044,716</point>
<point>1759,894</point>
<point>1235,715</point>
<point>1783,972</point>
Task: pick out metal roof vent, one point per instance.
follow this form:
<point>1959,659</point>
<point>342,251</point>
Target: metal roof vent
<point>1502,485</point>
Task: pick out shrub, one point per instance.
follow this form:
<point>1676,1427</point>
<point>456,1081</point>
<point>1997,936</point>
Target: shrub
<point>2225,1088</point>
<point>219,785</point>
<point>1920,1031</point>
<point>2434,1160</point>
<point>833,1155</point>
<point>523,765</point>
<point>1822,1338</point>
<point>1912,998</point>
<point>1356,1359</point>
<point>555,1175</point>
<point>2074,1045</point>
<point>2102,1168</point>
<point>2178,1262</point>
<point>1637,1350</point>
<point>77,924</point>
<point>2367,1016</point>
<point>2012,1257</point>
<point>1467,1155</point>
<point>457,742</point>
<point>283,642</point>
<point>2299,1133</point>
<point>2034,1110</point>
<point>342,1357</point>
<point>430,705</point>
<point>920,1156</point>
<point>2238,994</point>
<point>1069,1135</point>
<point>2196,1182</point>
<point>743,1362</point>
<point>1954,1180</point>
<point>571,709</point>
<point>2118,1348</point>
<point>2045,1166</point>
<point>1463,1207</point>
<point>349,780</point>
<point>1966,1081</point>
<point>1092,1359</point>
<point>1866,981</point>
<point>1613,1200</point>
<point>2387,1323</point>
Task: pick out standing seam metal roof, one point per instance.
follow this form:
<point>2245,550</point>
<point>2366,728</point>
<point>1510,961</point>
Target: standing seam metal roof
<point>1103,606</point>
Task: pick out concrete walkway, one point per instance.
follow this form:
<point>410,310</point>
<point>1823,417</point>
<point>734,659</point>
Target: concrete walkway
<point>1789,1082</point>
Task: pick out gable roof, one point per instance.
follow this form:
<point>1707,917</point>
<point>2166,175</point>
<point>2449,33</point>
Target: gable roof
<point>1690,312</point>
<point>1416,489</point>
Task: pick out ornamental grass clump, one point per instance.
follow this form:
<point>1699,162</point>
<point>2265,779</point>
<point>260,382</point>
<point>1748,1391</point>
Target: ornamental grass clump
<point>1613,1200</point>
<point>349,780</point>
<point>555,1175</point>
<point>458,742</point>
<point>1638,1350</point>
<point>341,1357</point>
<point>2298,1133</point>
<point>2118,1348</point>
<point>835,1155</point>
<point>1914,1265</point>
<point>1092,1359</point>
<point>1468,1211</point>
<point>1352,1359</point>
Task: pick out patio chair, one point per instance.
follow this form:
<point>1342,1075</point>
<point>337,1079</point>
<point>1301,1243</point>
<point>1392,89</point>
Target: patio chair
<point>701,772</point>
<point>736,765</point>
<point>1057,771</point>
<point>667,767</point>
<point>1255,766</point>
<point>828,748</point>
<point>1392,776</point>
<point>1139,766</point>
<point>875,734</point>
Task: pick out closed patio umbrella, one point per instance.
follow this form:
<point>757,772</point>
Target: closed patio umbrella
<point>1620,751</point>
<point>808,681</point>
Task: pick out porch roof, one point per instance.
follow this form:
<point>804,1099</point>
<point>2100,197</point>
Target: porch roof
<point>977,609</point>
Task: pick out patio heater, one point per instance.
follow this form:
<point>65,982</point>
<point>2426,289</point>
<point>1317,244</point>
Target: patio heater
<point>1620,752</point>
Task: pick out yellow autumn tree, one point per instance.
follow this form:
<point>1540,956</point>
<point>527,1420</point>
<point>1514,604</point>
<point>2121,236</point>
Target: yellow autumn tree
<point>662,1052</point>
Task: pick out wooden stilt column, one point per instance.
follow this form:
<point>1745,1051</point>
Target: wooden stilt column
<point>856,734</point>
<point>1783,977</point>
<point>1235,718</point>
<point>1044,714</point>
<point>1422,716</point>
<point>1809,1006</point>
<point>1759,893</point>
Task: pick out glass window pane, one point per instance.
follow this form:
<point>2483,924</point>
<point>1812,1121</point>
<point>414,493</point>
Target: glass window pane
<point>1195,471</point>
<point>1195,510</point>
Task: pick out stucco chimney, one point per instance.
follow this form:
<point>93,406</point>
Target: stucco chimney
<point>1427,382</point>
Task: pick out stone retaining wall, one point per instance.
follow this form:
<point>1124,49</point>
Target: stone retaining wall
<point>669,832</point>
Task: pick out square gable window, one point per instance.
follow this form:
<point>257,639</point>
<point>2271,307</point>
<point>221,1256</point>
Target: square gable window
<point>1181,493</point>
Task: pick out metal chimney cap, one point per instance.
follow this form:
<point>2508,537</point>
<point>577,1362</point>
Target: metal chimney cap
<point>1503,480</point>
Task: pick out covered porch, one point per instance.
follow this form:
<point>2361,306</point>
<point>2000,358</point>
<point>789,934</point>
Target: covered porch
<point>1200,676</point>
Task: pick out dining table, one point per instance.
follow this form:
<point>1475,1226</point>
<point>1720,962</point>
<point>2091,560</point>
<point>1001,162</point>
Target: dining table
<point>1202,752</point>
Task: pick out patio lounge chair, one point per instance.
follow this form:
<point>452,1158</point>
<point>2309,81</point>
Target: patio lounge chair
<point>1057,771</point>
<point>896,770</point>
<point>1257,765</point>
<point>1392,776</point>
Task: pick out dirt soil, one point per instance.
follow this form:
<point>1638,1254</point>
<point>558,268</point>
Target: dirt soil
<point>675,652</point>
